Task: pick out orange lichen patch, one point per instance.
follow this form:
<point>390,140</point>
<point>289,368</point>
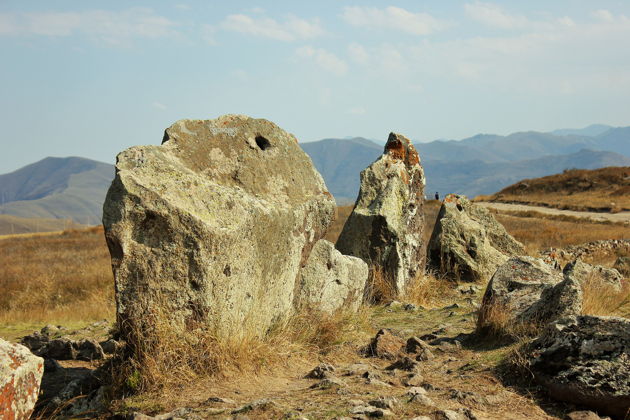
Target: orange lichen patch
<point>404,176</point>
<point>395,148</point>
<point>451,198</point>
<point>412,156</point>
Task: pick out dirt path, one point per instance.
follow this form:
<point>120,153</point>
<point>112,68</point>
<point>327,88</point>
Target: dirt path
<point>623,217</point>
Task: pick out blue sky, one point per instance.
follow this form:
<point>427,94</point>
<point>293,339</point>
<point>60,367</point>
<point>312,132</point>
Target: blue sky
<point>91,78</point>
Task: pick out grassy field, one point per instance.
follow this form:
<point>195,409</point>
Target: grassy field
<point>606,189</point>
<point>17,225</point>
<point>61,278</point>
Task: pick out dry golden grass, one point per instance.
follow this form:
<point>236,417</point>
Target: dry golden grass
<point>537,234</point>
<point>159,360</point>
<point>605,189</point>
<point>55,278</point>
<point>600,298</point>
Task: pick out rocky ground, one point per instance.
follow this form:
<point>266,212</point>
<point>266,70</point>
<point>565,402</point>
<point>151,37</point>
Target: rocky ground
<point>456,375</point>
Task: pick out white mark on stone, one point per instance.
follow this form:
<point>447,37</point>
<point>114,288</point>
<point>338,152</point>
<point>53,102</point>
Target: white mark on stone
<point>230,131</point>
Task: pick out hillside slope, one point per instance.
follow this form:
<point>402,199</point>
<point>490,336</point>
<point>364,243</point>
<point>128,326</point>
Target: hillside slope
<point>57,188</point>
<point>605,189</point>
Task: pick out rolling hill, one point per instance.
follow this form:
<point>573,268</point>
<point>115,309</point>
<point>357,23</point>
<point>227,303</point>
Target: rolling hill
<point>57,188</point>
<point>605,189</point>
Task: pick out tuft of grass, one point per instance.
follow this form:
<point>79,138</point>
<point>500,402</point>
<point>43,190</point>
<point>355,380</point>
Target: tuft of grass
<point>496,321</point>
<point>600,298</point>
<point>158,359</point>
<point>430,291</point>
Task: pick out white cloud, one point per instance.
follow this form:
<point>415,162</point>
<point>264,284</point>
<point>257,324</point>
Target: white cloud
<point>291,29</point>
<point>392,18</point>
<point>112,27</point>
<point>604,15</point>
<point>357,111</point>
<point>182,6</point>
<point>492,15</point>
<point>358,53</point>
<point>158,105</point>
<point>324,59</point>
<point>207,34</point>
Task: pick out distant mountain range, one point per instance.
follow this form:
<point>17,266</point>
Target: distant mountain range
<point>74,188</point>
<point>482,164</point>
<point>57,188</point>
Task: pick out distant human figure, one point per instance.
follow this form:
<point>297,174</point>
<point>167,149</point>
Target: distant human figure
<point>437,196</point>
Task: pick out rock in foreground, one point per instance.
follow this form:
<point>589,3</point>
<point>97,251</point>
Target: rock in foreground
<point>585,360</point>
<point>20,377</point>
<point>330,281</point>
<point>386,225</point>
<point>525,292</point>
<point>211,228</point>
<point>467,243</point>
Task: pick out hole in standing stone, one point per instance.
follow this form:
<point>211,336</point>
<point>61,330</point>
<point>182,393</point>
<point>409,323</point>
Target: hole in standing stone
<point>262,142</point>
<point>227,271</point>
<point>459,207</point>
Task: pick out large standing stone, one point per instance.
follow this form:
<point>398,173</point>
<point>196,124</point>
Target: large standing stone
<point>330,281</point>
<point>211,228</point>
<point>386,225</point>
<point>527,291</point>
<point>467,242</point>
<point>586,360</point>
<point>586,273</point>
<point>20,377</point>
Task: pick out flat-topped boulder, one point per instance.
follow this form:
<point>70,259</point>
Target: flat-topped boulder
<point>526,292</point>
<point>467,242</point>
<point>211,227</point>
<point>385,228</point>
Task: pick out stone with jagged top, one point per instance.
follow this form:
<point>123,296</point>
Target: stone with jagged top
<point>386,225</point>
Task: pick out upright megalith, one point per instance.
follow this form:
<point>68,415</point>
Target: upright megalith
<point>212,227</point>
<point>467,242</point>
<point>386,225</point>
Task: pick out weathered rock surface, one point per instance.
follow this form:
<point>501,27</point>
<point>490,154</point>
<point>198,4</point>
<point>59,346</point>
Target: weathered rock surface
<point>213,226</point>
<point>386,225</point>
<point>48,344</point>
<point>330,281</point>
<point>526,290</point>
<point>386,345</point>
<point>586,360</point>
<point>585,273</point>
<point>467,242</point>
<point>20,377</point>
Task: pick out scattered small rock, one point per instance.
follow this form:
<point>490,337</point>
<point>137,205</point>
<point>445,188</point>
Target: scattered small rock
<point>584,415</point>
<point>404,363</point>
<point>321,371</point>
<point>414,379</point>
<point>385,345</point>
<point>384,402</point>
<point>419,348</point>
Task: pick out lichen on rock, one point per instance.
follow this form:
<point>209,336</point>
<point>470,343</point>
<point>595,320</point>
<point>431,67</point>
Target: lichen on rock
<point>212,227</point>
<point>386,225</point>
<point>467,242</point>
